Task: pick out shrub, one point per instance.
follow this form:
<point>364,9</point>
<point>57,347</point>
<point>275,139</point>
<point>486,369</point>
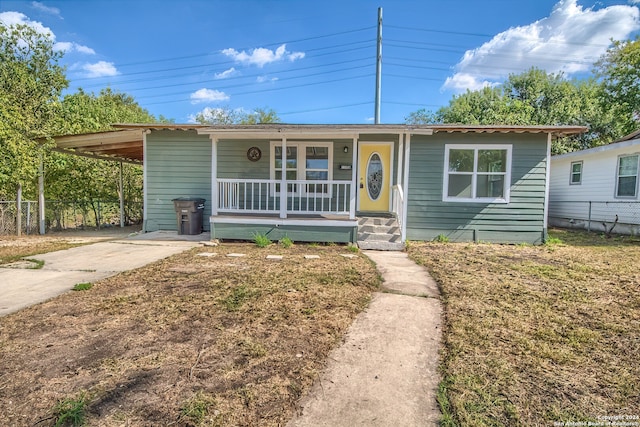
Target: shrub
<point>70,411</point>
<point>286,242</point>
<point>261,240</point>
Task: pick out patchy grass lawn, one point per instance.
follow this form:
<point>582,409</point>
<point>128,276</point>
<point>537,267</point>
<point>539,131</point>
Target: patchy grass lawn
<point>537,335</point>
<point>191,340</point>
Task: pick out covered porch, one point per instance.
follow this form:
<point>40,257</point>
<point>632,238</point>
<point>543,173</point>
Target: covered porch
<point>305,183</point>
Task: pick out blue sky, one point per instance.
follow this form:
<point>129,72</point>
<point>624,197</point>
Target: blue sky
<point>314,61</point>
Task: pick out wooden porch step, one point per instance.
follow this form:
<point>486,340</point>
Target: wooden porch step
<point>379,233</point>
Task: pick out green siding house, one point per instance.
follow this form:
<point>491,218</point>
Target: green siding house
<point>377,185</point>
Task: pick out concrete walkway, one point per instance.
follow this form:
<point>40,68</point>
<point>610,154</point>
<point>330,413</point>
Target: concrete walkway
<point>385,373</point>
<point>62,270</point>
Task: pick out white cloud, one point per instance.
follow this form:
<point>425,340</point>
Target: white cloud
<point>634,1</point>
<point>71,47</point>
<point>100,69</point>
<point>217,115</point>
<point>17,18</point>
<point>46,9</point>
<point>83,49</point>
<point>262,79</point>
<point>262,56</point>
<point>208,95</point>
<point>569,40</point>
<point>225,74</point>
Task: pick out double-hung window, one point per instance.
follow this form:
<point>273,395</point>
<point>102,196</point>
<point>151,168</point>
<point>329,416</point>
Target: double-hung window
<point>627,176</point>
<point>477,173</point>
<point>576,173</point>
<point>306,161</point>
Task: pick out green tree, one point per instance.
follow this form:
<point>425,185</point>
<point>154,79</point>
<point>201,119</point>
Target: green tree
<point>619,71</point>
<point>534,97</point>
<point>229,116</point>
<point>83,112</point>
<point>31,81</point>
<point>84,181</point>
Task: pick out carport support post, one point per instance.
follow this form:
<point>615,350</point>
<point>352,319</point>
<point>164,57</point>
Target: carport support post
<point>19,210</point>
<point>41,219</point>
<point>121,198</point>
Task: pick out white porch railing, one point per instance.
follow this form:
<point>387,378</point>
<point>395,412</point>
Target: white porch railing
<point>262,196</point>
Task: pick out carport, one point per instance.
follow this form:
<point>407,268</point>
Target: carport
<point>126,144</point>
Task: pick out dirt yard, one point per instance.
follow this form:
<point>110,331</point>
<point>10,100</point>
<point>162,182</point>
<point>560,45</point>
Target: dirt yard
<point>200,338</point>
<point>539,335</point>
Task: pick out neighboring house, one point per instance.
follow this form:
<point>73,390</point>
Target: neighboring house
<point>343,183</point>
<point>598,187</point>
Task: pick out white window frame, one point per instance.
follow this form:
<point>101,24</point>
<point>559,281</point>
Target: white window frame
<point>474,174</point>
<point>618,176</point>
<point>571,172</point>
<point>301,165</point>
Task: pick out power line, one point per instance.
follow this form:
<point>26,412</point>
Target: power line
<point>357,104</point>
<point>204,54</point>
<point>258,91</point>
<point>245,84</point>
<point>209,65</point>
<point>431,30</point>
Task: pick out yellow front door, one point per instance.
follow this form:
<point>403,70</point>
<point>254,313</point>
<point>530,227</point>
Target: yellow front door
<point>374,171</point>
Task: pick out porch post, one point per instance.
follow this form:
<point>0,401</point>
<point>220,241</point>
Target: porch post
<point>214,176</point>
<point>145,185</point>
<point>283,180</point>
<point>399,175</point>
<point>405,181</point>
<point>354,179</point>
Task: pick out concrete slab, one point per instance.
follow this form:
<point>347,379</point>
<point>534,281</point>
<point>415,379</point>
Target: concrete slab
<point>403,275</point>
<point>62,270</point>
<point>386,372</point>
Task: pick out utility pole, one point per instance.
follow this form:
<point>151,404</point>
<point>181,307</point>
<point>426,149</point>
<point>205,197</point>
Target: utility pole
<point>378,68</point>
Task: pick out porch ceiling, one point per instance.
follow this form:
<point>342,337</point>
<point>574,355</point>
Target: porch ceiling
<point>124,145</point>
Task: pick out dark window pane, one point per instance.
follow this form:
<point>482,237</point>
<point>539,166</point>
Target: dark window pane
<point>492,160</point>
<point>459,186</point>
<point>461,160</point>
<point>628,165</point>
<point>627,186</point>
<point>490,186</point>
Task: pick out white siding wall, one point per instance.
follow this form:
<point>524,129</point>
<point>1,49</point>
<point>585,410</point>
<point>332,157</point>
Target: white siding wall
<point>570,203</point>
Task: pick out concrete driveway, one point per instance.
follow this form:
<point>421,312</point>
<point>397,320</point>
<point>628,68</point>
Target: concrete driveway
<point>62,270</point>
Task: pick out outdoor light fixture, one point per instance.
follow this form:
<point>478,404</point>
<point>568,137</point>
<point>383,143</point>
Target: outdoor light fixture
<point>345,149</point>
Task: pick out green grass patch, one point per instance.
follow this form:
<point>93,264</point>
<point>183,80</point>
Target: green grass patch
<point>71,411</point>
<point>82,286</point>
<point>441,238</point>
<point>37,263</point>
<point>195,410</point>
<point>261,240</point>
<point>286,242</point>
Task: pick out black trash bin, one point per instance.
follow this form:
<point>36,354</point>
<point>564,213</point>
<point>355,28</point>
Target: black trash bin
<point>189,214</point>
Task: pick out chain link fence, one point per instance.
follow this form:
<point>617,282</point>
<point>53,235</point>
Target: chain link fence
<point>621,217</point>
<point>62,215</point>
<point>8,217</point>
